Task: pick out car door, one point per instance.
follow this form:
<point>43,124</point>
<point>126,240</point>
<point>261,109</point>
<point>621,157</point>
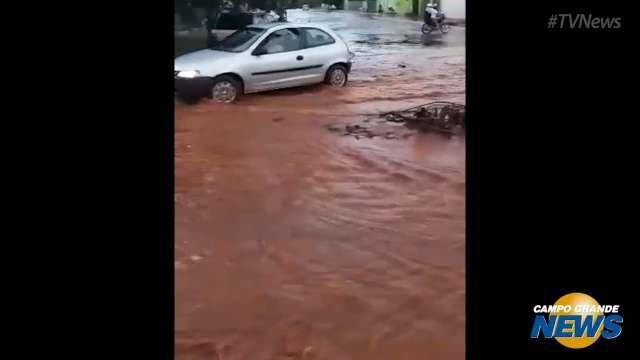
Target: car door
<point>278,61</point>
<point>321,50</point>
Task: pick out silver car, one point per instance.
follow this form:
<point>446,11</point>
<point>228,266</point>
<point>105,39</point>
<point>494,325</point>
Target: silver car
<point>264,57</point>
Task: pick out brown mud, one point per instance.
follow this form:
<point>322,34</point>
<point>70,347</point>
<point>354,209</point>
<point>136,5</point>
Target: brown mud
<point>294,243</point>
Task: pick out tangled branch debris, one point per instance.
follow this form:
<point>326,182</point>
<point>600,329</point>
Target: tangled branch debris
<point>441,116</point>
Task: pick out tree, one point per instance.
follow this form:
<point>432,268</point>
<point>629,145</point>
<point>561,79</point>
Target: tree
<point>203,4</point>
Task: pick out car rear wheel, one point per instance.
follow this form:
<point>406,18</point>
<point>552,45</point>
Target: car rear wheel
<point>226,89</point>
<point>337,76</point>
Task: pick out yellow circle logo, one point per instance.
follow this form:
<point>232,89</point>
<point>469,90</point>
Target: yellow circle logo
<point>574,302</point>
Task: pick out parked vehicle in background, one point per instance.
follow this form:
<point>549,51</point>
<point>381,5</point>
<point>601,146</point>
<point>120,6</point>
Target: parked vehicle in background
<point>305,7</point>
<point>264,57</point>
<point>227,23</point>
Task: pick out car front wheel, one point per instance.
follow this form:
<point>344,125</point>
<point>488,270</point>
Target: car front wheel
<point>337,76</point>
<point>226,89</point>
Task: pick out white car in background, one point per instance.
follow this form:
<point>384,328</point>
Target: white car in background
<point>264,57</point>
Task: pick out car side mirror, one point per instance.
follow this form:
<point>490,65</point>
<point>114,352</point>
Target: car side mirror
<point>259,51</point>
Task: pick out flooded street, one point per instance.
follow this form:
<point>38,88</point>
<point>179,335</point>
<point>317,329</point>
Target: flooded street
<point>294,242</point>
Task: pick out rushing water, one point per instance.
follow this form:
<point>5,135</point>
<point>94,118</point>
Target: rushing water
<point>293,242</point>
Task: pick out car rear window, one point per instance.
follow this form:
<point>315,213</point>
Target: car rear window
<point>282,41</point>
<point>316,37</point>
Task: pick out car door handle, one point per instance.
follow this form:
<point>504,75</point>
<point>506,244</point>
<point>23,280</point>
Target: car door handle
<point>300,57</point>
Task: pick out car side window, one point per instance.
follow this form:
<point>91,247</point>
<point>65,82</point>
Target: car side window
<point>282,41</point>
<point>317,37</point>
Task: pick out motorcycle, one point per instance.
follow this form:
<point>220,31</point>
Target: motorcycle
<point>439,23</point>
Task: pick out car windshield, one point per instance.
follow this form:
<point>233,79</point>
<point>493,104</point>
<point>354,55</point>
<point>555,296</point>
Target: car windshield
<point>239,40</point>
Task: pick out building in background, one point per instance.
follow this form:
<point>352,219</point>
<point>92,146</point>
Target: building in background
<point>454,9</point>
<point>400,6</point>
<point>354,5</point>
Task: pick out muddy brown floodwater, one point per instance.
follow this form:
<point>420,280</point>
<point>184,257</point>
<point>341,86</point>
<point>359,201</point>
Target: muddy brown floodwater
<point>293,242</point>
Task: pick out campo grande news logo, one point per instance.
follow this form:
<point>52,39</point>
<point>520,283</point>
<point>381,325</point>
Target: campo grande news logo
<point>576,320</point>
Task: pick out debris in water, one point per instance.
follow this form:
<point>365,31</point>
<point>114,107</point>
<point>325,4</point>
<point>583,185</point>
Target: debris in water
<point>307,353</point>
<point>441,116</point>
<point>394,118</point>
<point>196,258</point>
<point>357,131</point>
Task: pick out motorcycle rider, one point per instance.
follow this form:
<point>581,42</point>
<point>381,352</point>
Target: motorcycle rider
<point>431,14</point>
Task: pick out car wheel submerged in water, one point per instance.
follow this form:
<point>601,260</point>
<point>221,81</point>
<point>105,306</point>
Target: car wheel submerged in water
<point>337,76</point>
<point>225,89</point>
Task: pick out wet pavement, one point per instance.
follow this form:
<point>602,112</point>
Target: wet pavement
<point>293,242</point>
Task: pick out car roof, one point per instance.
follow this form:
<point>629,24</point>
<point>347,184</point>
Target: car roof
<point>265,25</point>
<point>278,26</point>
